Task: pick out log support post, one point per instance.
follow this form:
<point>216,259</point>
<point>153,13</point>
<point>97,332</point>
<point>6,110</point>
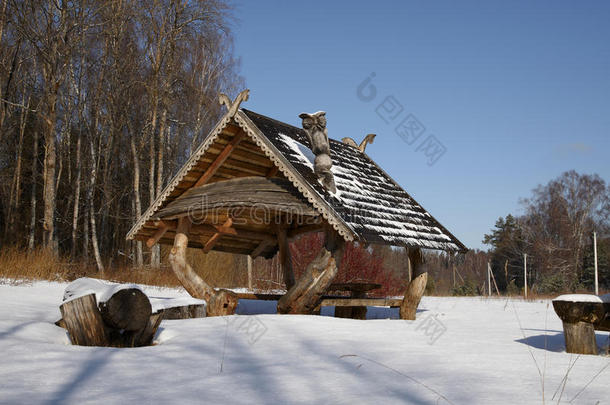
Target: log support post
<point>415,289</point>
<point>306,294</point>
<point>221,302</point>
<point>284,256</point>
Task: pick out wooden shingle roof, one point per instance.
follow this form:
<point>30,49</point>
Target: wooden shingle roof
<point>369,206</point>
<point>368,200</point>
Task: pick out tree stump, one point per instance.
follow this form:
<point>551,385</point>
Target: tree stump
<point>580,338</point>
<point>417,286</point>
<point>579,323</point>
<point>83,321</point>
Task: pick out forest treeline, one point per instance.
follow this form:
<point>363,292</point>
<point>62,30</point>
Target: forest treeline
<point>100,102</point>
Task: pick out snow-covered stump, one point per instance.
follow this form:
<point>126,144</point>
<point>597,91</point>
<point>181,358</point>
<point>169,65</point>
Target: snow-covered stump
<point>581,314</point>
<point>83,321</point>
<point>415,290</point>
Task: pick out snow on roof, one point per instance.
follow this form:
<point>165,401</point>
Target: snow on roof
<point>369,201</point>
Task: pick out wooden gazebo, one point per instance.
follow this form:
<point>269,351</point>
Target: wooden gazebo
<point>254,183</point>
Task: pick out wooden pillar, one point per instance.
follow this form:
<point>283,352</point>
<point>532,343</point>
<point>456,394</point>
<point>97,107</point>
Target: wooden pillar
<point>219,303</point>
<point>415,289</point>
<point>249,259</point>
<point>306,295</point>
<point>284,257</point>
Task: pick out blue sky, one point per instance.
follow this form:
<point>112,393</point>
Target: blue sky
<point>515,92</point>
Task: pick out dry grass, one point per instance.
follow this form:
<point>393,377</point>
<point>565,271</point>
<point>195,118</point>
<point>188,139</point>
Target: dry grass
<point>218,269</point>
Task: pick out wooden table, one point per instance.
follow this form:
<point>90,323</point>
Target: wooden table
<point>356,290</point>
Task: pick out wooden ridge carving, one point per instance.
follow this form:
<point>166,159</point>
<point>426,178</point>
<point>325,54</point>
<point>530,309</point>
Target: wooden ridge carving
<point>362,147</point>
<point>233,106</point>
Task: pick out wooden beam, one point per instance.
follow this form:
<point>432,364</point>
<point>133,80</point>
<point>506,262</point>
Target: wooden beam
<point>163,227</point>
<point>209,245</point>
<point>220,159</point>
<point>260,248</point>
<point>364,302</point>
<point>305,229</point>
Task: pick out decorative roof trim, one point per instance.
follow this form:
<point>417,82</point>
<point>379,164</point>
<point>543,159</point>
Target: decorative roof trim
<point>193,159</point>
<point>295,177</point>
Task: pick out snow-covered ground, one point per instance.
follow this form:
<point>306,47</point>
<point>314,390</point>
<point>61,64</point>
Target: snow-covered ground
<point>459,351</point>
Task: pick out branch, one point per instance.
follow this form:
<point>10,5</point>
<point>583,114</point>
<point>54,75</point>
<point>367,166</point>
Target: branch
<point>18,105</point>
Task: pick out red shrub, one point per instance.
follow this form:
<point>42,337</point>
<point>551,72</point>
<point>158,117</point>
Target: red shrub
<point>358,264</point>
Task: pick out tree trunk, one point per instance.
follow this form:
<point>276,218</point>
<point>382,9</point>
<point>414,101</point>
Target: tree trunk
<point>49,179</point>
<point>16,188</point>
<point>76,197</point>
<point>90,198</point>
<point>136,195</point>
<point>417,286</point>
<point>33,199</point>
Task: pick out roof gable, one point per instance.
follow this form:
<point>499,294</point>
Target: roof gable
<point>368,205</point>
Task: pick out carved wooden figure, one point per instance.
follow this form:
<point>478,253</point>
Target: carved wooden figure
<point>315,129</point>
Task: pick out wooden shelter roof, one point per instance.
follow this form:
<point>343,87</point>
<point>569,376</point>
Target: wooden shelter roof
<point>368,206</point>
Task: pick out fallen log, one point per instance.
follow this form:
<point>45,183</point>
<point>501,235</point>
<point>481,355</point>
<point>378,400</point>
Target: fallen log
<point>128,309</point>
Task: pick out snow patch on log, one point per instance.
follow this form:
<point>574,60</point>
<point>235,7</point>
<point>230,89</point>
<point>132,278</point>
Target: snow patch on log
<point>583,298</point>
<point>102,289</point>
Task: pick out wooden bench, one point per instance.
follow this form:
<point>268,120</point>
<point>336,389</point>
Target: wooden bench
<point>344,305</point>
<point>580,321</point>
<point>357,291</point>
